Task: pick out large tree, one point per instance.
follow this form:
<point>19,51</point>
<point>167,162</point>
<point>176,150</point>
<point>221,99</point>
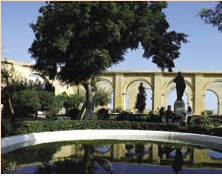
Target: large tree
<point>76,41</point>
<point>213,16</point>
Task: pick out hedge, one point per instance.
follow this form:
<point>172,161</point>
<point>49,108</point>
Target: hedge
<point>25,127</point>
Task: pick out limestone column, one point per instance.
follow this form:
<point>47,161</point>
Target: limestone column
<point>118,92</point>
<point>164,100</point>
<point>197,156</point>
<point>118,151</point>
<point>157,85</point>
<point>220,105</point>
<point>156,158</point>
<point>198,94</point>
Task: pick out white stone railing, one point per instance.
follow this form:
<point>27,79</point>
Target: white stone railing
<point>15,142</point>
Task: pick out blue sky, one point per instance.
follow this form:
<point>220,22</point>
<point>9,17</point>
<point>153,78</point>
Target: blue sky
<point>202,52</point>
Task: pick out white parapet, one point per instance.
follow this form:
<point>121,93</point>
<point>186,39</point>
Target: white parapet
<point>2,106</point>
<point>15,142</point>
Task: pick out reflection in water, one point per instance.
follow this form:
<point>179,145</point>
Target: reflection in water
<point>85,158</point>
<point>85,166</point>
<point>178,161</point>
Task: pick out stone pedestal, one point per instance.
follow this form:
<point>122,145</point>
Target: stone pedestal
<point>179,107</point>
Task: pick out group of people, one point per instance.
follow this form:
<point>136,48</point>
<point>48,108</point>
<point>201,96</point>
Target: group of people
<point>169,116</point>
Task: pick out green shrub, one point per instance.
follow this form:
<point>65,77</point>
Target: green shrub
<point>119,109</point>
<point>216,131</point>
<point>101,98</point>
<point>200,120</point>
<point>16,128</point>
<point>102,114</point>
<point>124,115</point>
<point>199,129</point>
<point>49,103</point>
<point>153,117</point>
<point>26,103</point>
<point>73,113</point>
<point>71,103</point>
<point>207,112</point>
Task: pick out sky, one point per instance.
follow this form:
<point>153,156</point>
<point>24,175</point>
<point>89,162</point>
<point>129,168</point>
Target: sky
<point>202,52</point>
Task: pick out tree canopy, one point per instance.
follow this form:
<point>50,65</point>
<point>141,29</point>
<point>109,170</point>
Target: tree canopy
<point>213,16</point>
<point>76,41</point>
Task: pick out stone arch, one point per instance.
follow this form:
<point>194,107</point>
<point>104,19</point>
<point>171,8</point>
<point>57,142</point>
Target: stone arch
<point>217,90</point>
<point>109,86</point>
<point>127,84</point>
<point>210,82</point>
<point>34,77</point>
<point>217,99</point>
<point>171,81</point>
<point>106,85</point>
<point>46,80</point>
<point>131,90</point>
<point>104,79</point>
<point>212,90</point>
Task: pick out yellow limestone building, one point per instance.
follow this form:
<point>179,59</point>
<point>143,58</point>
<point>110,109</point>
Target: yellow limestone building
<point>122,83</point>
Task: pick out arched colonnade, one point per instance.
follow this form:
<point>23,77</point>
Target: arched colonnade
<point>161,84</point>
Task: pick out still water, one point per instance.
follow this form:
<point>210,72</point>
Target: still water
<point>117,157</point>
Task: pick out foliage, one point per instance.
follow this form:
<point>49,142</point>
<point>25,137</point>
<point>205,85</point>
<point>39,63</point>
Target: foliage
<point>71,101</point>
<point>66,166</point>
<point>11,83</point>
<point>202,120</point>
<point>153,117</point>
<point>36,153</point>
<point>141,99</point>
<point>199,129</point>
<point>101,98</point>
<point>98,39</point>
<point>49,103</point>
<point>212,16</point>
<point>119,109</point>
<point>16,128</point>
<point>26,103</point>
<point>73,113</point>
<point>102,114</point>
<point>93,36</point>
<point>207,112</point>
<point>124,115</point>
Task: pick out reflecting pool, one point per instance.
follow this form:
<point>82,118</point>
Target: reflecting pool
<point>117,157</point>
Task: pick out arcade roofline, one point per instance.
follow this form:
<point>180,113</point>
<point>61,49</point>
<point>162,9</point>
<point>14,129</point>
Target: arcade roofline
<point>129,71</point>
<point>165,72</point>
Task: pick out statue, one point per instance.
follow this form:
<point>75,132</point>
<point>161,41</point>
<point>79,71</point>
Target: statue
<point>180,85</point>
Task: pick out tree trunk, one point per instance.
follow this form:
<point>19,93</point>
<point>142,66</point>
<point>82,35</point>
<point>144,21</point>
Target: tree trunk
<point>88,106</point>
<point>11,109</point>
<point>80,115</point>
<point>88,159</point>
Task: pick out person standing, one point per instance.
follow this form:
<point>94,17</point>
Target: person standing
<point>169,114</point>
<point>184,119</point>
<point>189,114</point>
<point>162,114</point>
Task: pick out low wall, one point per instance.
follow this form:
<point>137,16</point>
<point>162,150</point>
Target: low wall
<point>15,142</point>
